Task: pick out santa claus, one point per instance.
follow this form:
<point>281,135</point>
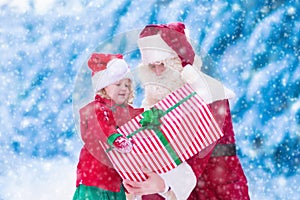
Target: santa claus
<point>168,62</point>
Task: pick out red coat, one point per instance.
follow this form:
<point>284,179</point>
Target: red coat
<point>217,177</point>
<point>98,120</point>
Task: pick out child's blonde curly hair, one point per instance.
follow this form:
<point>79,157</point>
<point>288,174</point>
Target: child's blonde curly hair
<point>103,93</point>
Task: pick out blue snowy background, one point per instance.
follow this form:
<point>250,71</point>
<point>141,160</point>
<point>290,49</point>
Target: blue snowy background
<point>44,44</point>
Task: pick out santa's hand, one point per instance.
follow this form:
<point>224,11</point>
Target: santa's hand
<point>153,184</point>
<point>190,74</point>
<point>122,144</point>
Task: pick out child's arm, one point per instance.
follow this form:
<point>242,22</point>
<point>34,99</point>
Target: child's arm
<point>108,125</point>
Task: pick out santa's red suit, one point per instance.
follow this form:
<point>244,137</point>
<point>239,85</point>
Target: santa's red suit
<point>218,171</point>
<point>220,175</point>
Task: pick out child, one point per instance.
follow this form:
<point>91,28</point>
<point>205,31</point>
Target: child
<point>96,177</point>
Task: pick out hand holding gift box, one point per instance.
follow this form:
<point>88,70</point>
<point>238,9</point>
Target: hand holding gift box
<point>172,131</point>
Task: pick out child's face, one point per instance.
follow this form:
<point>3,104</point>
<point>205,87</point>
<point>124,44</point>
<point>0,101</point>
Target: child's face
<point>119,91</point>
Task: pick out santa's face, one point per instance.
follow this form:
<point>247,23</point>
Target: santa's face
<point>159,79</point>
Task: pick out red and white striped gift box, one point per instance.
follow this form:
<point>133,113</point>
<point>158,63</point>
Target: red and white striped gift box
<point>188,128</point>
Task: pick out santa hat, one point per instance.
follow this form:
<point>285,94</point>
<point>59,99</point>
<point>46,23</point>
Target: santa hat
<point>106,69</point>
<point>163,41</point>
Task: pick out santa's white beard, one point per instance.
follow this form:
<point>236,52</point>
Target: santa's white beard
<point>158,87</point>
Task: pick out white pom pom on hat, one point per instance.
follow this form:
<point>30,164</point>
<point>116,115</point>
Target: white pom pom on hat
<point>106,69</point>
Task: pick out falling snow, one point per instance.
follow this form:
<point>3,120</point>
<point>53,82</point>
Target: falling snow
<point>252,46</point>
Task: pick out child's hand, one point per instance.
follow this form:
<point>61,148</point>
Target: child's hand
<point>122,144</point>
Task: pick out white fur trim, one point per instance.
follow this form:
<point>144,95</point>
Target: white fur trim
<point>197,62</point>
<point>208,88</point>
<point>153,48</point>
<point>115,70</point>
<point>181,179</point>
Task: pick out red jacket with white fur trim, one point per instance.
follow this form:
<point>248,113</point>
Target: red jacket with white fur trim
<point>98,120</point>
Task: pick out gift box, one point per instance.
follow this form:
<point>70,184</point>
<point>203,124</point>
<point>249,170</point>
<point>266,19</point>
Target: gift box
<point>172,131</point>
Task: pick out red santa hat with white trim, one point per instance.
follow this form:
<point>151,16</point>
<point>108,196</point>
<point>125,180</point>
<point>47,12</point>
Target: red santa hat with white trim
<point>106,69</point>
<point>158,42</point>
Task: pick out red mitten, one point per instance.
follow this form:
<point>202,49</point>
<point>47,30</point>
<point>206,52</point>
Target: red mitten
<point>122,144</point>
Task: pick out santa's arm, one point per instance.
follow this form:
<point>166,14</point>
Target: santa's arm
<point>190,171</point>
<point>208,88</point>
<point>181,181</point>
<point>176,184</point>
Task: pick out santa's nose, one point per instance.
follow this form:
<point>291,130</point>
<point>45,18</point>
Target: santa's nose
<point>158,69</point>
